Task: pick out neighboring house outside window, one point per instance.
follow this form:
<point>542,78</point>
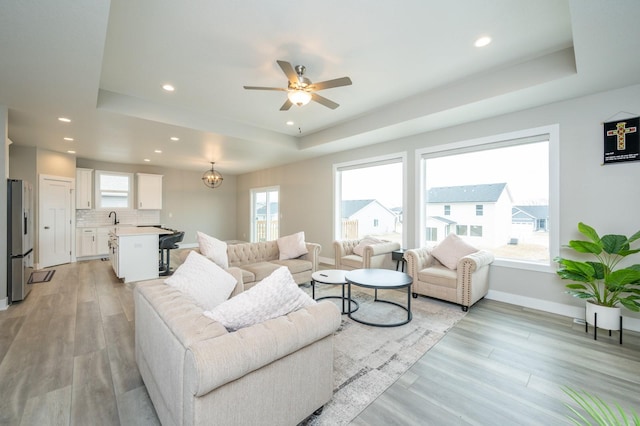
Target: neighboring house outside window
<point>447,210</point>
<point>479,210</point>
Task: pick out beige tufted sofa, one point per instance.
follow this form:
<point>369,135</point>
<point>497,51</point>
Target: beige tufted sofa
<point>274,373</point>
<point>258,260</point>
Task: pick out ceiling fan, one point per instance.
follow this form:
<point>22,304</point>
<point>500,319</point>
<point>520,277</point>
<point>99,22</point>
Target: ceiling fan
<point>300,90</point>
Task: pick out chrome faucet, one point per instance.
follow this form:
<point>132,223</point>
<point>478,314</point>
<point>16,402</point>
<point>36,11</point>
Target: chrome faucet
<point>115,218</point>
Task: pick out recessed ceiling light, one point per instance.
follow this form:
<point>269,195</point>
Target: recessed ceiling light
<point>64,119</point>
<point>482,41</point>
<point>71,152</point>
<point>168,87</point>
<point>175,139</point>
<point>290,123</point>
<point>158,151</point>
<point>147,160</point>
<point>68,139</point>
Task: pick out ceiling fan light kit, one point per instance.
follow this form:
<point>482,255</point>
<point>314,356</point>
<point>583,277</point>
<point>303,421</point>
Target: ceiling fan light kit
<point>300,90</point>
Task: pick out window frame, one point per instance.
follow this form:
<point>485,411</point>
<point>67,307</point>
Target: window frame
<point>252,208</point>
<point>98,190</point>
<point>552,132</point>
<point>399,157</point>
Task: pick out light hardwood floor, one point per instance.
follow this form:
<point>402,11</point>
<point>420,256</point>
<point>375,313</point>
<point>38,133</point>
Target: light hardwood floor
<point>67,358</point>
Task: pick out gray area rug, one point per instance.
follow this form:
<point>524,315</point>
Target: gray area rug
<point>369,359</point>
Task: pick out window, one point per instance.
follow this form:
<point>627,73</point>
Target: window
<point>475,231</point>
<point>114,190</point>
<point>513,197</point>
<point>265,212</point>
<point>369,198</point>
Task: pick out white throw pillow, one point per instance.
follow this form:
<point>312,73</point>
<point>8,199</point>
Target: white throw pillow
<point>207,283</point>
<point>366,241</point>
<point>214,249</point>
<point>292,246</point>
<point>274,296</point>
<point>451,250</point>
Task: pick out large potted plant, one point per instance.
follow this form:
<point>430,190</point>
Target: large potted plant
<point>603,286</point>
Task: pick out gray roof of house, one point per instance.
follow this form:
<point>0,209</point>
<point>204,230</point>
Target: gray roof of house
<point>485,193</point>
<point>349,207</point>
<point>538,212</point>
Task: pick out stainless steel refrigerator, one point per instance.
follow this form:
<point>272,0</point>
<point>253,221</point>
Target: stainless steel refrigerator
<point>20,239</point>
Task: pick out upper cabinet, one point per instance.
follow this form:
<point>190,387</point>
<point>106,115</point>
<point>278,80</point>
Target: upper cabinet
<point>149,192</point>
<point>84,186</point>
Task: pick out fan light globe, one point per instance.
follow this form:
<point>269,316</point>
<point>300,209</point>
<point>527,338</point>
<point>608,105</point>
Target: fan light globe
<point>299,97</point>
<point>211,178</point>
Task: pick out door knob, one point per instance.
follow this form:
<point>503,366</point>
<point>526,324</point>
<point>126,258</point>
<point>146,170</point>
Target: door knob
<point>46,227</point>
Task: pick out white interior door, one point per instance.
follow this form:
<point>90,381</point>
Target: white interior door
<point>54,226</point>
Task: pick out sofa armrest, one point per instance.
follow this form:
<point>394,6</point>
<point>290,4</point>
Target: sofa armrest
<point>211,363</point>
<point>418,259</point>
<point>475,261</point>
<point>343,248</point>
<point>313,255</point>
<point>237,274</point>
<point>381,248</point>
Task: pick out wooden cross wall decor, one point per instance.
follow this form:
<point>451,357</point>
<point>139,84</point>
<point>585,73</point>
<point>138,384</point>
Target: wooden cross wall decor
<point>622,141</point>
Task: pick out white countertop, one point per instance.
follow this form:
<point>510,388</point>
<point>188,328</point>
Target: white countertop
<point>122,231</point>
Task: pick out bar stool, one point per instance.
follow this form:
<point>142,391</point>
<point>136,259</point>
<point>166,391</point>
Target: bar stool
<point>166,243</point>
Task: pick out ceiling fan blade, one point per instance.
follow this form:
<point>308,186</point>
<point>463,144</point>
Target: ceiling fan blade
<point>344,81</point>
<point>264,88</point>
<point>285,106</point>
<point>324,101</point>
<point>288,71</point>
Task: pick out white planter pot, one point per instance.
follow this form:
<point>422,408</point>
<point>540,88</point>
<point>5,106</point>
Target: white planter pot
<point>608,318</point>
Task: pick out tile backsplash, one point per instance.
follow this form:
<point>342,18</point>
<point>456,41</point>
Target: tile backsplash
<point>91,218</point>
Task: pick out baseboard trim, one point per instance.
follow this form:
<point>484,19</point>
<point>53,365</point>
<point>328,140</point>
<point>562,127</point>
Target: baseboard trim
<point>4,305</point>
<point>570,311</point>
<point>327,260</point>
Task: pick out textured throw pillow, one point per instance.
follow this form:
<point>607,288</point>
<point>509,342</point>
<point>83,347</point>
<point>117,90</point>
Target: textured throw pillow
<point>274,296</point>
<point>214,249</point>
<point>292,246</point>
<point>366,241</point>
<point>451,250</point>
<point>207,283</point>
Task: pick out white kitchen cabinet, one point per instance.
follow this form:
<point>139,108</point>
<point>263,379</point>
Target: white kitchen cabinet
<point>86,242</point>
<point>134,253</point>
<point>102,241</point>
<point>149,192</point>
<point>84,189</point>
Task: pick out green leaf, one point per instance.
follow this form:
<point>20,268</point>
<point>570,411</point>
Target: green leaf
<point>634,237</point>
<point>588,232</point>
<point>631,305</point>
<point>614,244</point>
<point>585,246</point>
<point>622,277</point>
<point>598,270</point>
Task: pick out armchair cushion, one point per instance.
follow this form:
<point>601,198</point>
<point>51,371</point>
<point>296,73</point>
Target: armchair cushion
<point>451,250</point>
<point>366,241</point>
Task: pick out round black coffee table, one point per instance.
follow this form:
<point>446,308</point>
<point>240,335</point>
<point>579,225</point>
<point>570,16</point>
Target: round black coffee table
<point>381,279</point>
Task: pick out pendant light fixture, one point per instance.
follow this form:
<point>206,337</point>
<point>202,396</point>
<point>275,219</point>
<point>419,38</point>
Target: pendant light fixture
<point>211,178</point>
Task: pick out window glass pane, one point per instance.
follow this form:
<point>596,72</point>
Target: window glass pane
<point>371,201</point>
<point>265,207</point>
<point>502,206</point>
<point>113,190</point>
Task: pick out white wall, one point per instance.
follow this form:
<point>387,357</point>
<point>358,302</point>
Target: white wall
<point>4,136</point>
<point>606,197</point>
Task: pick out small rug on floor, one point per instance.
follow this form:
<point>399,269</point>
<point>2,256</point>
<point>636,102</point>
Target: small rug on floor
<point>41,276</point>
<point>367,360</point>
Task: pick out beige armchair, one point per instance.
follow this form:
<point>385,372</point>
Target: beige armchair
<point>374,255</point>
<point>465,285</point>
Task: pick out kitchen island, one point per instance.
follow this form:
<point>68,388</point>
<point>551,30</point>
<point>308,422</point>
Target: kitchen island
<point>133,252</point>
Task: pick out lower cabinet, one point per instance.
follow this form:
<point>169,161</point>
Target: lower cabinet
<point>92,242</point>
<point>135,257</point>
